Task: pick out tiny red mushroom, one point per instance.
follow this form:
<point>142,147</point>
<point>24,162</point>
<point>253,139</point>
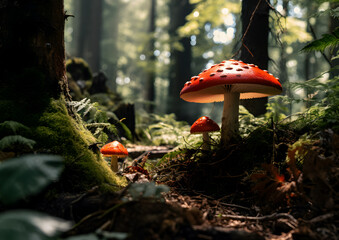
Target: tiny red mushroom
<point>230,81</point>
<point>114,150</point>
<point>204,125</point>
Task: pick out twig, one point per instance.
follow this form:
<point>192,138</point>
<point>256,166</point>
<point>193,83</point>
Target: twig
<point>225,158</point>
<point>234,205</point>
<point>322,217</point>
<point>262,218</point>
<point>86,218</point>
<point>105,225</point>
<point>123,191</point>
<point>248,27</point>
<point>92,190</point>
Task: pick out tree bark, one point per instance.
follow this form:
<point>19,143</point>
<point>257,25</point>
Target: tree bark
<point>180,68</point>
<point>283,62</point>
<point>90,33</point>
<point>150,79</point>
<point>32,55</point>
<point>255,28</point>
<point>111,54</point>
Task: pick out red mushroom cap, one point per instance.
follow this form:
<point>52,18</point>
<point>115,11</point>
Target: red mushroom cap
<point>204,124</point>
<point>246,79</point>
<point>114,149</point>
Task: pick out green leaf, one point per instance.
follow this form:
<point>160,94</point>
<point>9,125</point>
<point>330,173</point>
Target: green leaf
<point>29,225</point>
<point>27,175</point>
<point>327,41</point>
<point>14,126</point>
<point>11,140</point>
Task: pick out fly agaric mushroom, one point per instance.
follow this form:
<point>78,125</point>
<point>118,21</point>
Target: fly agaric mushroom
<point>230,81</point>
<point>204,125</point>
<point>114,150</point>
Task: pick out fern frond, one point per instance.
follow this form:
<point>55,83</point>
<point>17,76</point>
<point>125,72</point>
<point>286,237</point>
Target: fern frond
<point>13,126</point>
<point>334,13</point>
<point>9,141</point>
<point>327,41</point>
<point>83,106</point>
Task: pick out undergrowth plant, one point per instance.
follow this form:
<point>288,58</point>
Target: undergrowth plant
<point>14,136</point>
<point>28,175</point>
<point>310,169</point>
<point>161,129</point>
<point>20,178</point>
<point>96,119</point>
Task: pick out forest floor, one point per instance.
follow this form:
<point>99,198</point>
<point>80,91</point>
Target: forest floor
<point>188,216</point>
<point>284,208</point>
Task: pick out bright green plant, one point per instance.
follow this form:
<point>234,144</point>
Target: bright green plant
<point>277,108</point>
<point>327,41</point>
<point>95,118</point>
<point>161,130</point>
<point>27,175</point>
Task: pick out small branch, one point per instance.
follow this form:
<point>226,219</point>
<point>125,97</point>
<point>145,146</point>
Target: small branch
<point>234,205</point>
<point>273,216</point>
<point>248,27</point>
<point>323,217</point>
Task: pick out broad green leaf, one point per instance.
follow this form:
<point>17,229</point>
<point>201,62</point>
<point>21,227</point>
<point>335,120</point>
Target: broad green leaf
<point>27,175</point>
<point>29,225</point>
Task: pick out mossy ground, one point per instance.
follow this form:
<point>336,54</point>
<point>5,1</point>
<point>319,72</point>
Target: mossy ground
<point>60,134</point>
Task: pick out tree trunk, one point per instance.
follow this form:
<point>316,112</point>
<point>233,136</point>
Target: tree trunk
<point>180,68</point>
<point>32,83</point>
<point>150,79</point>
<point>90,32</point>
<point>111,54</point>
<point>255,28</point>
<point>32,55</point>
<point>283,63</point>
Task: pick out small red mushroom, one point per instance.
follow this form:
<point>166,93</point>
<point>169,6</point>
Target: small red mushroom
<point>204,125</point>
<point>114,150</point>
<point>230,81</point>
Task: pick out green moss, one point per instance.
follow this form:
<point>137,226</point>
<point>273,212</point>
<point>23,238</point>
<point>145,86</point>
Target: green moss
<point>62,135</point>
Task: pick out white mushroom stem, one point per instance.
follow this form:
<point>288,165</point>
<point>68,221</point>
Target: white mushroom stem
<point>230,117</point>
<point>206,141</point>
<point>114,163</point>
